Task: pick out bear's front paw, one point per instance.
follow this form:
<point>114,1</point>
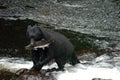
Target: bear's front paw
<point>35,68</point>
<point>32,69</point>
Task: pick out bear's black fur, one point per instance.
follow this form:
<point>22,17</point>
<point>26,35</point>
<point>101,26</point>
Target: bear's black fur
<point>61,49</point>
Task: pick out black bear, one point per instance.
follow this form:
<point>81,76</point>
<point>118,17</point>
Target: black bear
<point>61,49</point>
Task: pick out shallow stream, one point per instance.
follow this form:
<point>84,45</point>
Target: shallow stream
<point>105,67</point>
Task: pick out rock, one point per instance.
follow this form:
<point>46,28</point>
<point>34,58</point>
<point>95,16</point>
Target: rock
<point>25,74</point>
<point>100,79</point>
<point>5,74</point>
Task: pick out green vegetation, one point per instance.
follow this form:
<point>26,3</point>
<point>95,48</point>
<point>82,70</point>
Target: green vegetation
<point>82,41</point>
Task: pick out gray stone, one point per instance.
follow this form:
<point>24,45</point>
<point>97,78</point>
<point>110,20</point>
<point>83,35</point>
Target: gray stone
<point>25,74</point>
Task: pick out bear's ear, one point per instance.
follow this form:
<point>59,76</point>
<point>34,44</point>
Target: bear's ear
<point>29,26</point>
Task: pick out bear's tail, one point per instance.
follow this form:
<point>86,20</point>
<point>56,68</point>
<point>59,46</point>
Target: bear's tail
<point>74,59</point>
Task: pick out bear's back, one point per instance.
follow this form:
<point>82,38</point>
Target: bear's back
<point>61,42</point>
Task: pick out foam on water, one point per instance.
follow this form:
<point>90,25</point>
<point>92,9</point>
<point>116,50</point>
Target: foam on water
<point>78,72</point>
<point>13,64</point>
<point>75,5</point>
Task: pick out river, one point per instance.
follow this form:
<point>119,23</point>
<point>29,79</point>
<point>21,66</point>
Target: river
<point>99,18</point>
<point>104,67</point>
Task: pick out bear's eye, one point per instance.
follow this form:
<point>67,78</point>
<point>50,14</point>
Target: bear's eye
<point>33,31</point>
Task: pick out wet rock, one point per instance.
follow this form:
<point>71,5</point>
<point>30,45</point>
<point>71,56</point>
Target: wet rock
<point>25,74</point>
<point>5,74</point>
<point>100,79</point>
<point>88,56</point>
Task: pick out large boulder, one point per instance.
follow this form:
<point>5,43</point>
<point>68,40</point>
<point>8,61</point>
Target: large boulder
<point>25,74</point>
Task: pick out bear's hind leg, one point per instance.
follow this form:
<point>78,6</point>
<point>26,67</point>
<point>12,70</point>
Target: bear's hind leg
<point>74,59</point>
<point>60,63</point>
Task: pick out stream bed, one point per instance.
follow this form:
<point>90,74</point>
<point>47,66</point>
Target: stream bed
<point>106,67</point>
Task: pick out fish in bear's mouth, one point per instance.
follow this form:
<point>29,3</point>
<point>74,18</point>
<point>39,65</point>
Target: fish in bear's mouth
<point>39,44</point>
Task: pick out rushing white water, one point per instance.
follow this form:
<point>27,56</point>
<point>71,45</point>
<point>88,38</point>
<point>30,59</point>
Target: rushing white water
<point>103,67</point>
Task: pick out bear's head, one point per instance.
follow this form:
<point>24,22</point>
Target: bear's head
<point>34,33</point>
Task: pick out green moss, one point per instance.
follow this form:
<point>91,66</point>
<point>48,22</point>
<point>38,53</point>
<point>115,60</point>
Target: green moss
<point>82,41</point>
